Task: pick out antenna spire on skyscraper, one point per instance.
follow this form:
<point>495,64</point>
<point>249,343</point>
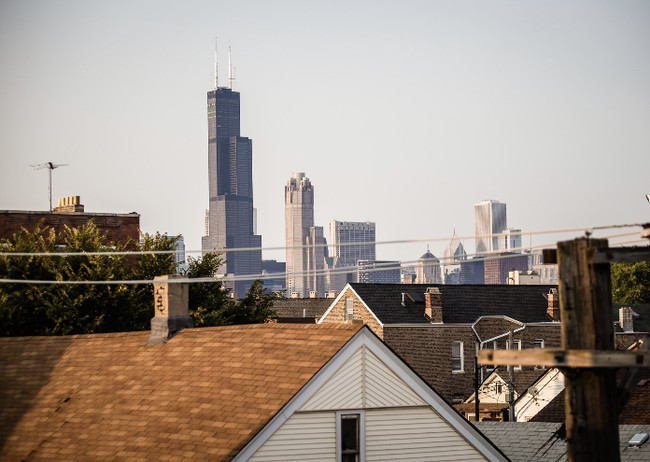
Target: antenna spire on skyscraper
<point>230,77</point>
<point>216,66</point>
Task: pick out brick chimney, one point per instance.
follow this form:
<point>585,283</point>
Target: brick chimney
<point>433,304</point>
<point>70,204</point>
<point>171,306</point>
<point>553,309</point>
<point>626,319</point>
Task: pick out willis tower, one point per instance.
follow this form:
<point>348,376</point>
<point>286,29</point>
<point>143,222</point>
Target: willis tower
<point>229,221</point>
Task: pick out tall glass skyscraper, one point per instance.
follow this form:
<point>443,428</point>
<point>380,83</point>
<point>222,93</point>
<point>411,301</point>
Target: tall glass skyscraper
<point>230,223</point>
<point>489,219</point>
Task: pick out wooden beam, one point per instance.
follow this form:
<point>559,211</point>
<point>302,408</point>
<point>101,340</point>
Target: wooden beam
<point>612,255</point>
<point>579,359</point>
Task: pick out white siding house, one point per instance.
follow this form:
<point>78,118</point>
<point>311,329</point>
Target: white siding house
<point>367,404</point>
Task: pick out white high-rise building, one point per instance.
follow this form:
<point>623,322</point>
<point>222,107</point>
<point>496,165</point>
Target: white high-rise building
<point>428,269</point>
<point>455,252</point>
<point>342,236</point>
<point>489,219</point>
<point>305,243</point>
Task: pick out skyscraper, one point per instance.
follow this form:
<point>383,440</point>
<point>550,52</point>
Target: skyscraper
<point>428,269</point>
<point>230,222</point>
<point>489,219</point>
<point>345,233</point>
<point>305,265</point>
<point>454,252</point>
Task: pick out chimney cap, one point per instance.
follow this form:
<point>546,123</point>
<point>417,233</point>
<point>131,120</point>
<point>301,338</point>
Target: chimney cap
<point>433,290</point>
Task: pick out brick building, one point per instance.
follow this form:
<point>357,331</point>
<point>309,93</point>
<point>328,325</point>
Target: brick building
<point>437,329</point>
<point>119,228</point>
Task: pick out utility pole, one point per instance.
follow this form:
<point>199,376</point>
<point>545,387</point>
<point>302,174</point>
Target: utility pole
<point>585,306</point>
<point>587,357</point>
<point>511,385</point>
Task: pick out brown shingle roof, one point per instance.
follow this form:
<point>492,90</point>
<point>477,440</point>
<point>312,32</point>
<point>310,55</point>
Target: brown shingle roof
<point>203,395</point>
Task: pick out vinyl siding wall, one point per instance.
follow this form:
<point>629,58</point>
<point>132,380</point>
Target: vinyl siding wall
<point>309,436</point>
<point>408,434</point>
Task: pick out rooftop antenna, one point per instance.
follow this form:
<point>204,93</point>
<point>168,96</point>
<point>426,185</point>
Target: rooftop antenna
<point>216,66</point>
<point>230,78</point>
<point>50,166</point>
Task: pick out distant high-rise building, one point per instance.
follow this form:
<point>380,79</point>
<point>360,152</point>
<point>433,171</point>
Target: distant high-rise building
<point>499,265</point>
<point>305,242</point>
<point>274,279</point>
<point>455,252</point>
<point>230,222</point>
<point>179,256</point>
<point>428,269</point>
<point>342,237</point>
<point>511,240</point>
<point>489,219</point>
<point>379,271</point>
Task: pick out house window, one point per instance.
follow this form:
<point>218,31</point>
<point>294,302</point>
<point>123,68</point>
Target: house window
<point>516,346</point>
<point>350,437</point>
<point>349,309</point>
<point>538,343</point>
<point>457,357</point>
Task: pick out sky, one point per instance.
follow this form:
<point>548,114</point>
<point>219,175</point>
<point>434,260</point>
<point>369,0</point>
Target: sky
<point>404,113</point>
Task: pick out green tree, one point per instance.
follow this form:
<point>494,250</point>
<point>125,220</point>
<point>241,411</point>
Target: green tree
<point>211,304</point>
<point>630,283</point>
<point>60,309</point>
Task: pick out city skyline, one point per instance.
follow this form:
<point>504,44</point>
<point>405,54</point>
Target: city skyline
<point>404,114</point>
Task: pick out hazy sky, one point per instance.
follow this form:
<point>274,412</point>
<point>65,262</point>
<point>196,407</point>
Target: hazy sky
<point>405,113</point>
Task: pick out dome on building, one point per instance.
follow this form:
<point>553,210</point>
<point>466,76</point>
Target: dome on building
<point>429,256</point>
<point>428,269</point>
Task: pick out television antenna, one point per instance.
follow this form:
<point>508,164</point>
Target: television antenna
<point>50,166</point>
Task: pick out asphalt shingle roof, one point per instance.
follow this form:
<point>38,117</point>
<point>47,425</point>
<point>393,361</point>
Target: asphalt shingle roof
<point>201,396</point>
<point>301,307</point>
<point>528,441</point>
<point>461,303</point>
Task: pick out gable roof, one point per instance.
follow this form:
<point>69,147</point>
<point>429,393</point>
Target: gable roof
<point>398,385</point>
<point>461,303</point>
<point>207,394</point>
<point>202,395</point>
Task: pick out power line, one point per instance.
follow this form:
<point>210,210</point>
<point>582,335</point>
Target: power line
<point>377,267</point>
<point>314,246</point>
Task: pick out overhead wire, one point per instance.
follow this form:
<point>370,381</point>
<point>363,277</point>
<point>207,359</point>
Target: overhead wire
<point>374,266</point>
<point>589,229</point>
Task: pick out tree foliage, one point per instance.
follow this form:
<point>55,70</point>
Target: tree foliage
<point>630,283</point>
<point>211,304</point>
<point>61,309</point>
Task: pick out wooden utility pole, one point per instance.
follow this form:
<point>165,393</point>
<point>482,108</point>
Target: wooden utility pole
<point>585,306</point>
<point>587,357</point>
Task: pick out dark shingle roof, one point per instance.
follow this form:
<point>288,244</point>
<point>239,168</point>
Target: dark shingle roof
<point>461,303</point>
<point>526,441</point>
<point>201,396</point>
<point>301,307</point>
